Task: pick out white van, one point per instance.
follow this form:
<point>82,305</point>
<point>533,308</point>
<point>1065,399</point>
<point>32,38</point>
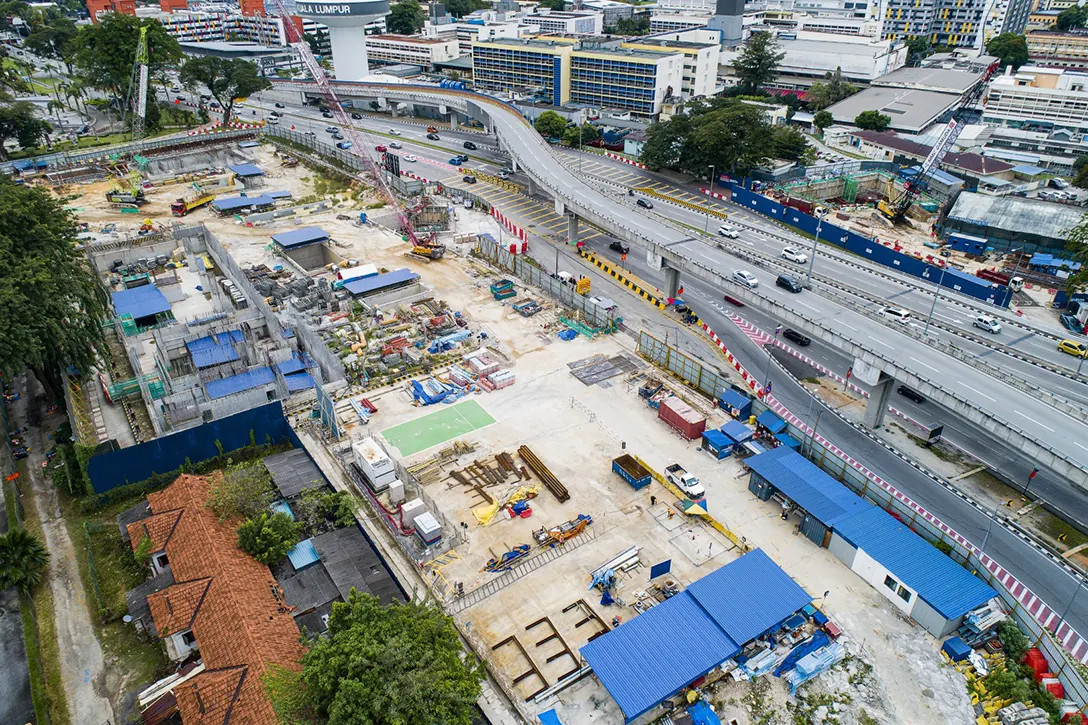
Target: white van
<point>604,303</point>
<point>898,314</point>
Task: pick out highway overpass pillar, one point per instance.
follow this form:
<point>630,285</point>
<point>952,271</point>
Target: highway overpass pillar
<point>672,281</point>
<point>560,207</point>
<point>572,228</point>
<point>878,401</point>
<point>530,187</point>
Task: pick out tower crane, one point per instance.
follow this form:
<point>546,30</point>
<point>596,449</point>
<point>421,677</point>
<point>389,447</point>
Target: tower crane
<point>359,141</point>
<point>138,86</point>
<point>895,209</point>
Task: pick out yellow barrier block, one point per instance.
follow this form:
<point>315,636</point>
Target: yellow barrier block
<point>701,208</point>
<point>633,284</point>
<point>982,720</point>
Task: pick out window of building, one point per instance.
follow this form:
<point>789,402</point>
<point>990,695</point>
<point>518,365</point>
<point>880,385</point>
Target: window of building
<point>162,560</point>
<point>903,593</point>
<point>188,638</point>
<point>890,583</point>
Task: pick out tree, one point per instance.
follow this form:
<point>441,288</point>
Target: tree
<point>726,133</point>
<point>1076,243</point>
<point>319,510</point>
<point>550,125</point>
<point>226,79</point>
<point>872,121</point>
<point>1011,48</point>
<point>575,136</point>
<point>788,142</point>
<point>241,492</point>
<point>918,48</point>
<point>268,537</point>
<point>822,120</point>
<point>105,53</point>
<point>22,560</point>
<point>821,95</point>
<point>757,64</point>
<point>632,26</point>
<point>557,5</point>
<point>405,18</point>
<point>18,121</point>
<point>400,663</point>
<point>461,8</point>
<point>1072,17</point>
<point>51,36</point>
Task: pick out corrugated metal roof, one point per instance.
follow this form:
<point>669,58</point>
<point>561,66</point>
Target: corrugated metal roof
<point>242,381</point>
<point>300,237</point>
<point>220,338</point>
<point>140,302</point>
<point>735,398</point>
<point>245,170</point>
<point>657,653</point>
<point>278,194</point>
<point>721,440</point>
<point>209,356</point>
<point>749,596</point>
<point>241,202</point>
<point>293,472</point>
<point>287,367</point>
<point>945,585</point>
<point>381,281</point>
<point>737,431</point>
<point>303,554</point>
<point>771,422</point>
<point>804,483</point>
<point>298,381</point>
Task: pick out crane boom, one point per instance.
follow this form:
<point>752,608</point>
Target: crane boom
<point>139,80</point>
<point>359,140</point>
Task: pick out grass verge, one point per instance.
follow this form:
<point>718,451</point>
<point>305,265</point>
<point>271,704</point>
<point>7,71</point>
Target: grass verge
<point>34,660</point>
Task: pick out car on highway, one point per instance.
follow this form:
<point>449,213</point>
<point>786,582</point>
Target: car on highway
<point>728,231</point>
<point>793,254</point>
<point>180,98</point>
<point>394,132</point>
<point>910,394</point>
<point>280,105</point>
<point>331,129</point>
<point>277,114</point>
<point>344,145</point>
<point>987,323</point>
<point>433,137</point>
<point>898,314</point>
<point>470,146</point>
<point>1073,347</point>
<point>357,116</point>
<point>396,145</point>
<point>645,203</point>
<point>794,336</point>
<point>469,179</point>
<point>503,175</point>
<point>619,247</point>
<point>272,121</point>
<point>788,283</point>
<point>380,149</point>
<point>733,300</point>
<point>746,278</point>
<point>456,161</point>
<point>327,114</point>
<point>338,136</point>
<point>409,158</point>
<point>176,89</point>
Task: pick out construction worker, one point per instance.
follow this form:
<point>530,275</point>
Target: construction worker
<point>653,500</point>
<point>671,514</point>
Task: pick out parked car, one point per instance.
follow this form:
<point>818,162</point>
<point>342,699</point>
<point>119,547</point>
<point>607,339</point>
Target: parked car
<point>728,231</point>
<point>898,314</point>
<point>469,179</point>
<point>746,278</point>
<point>789,283</point>
<point>793,335</point>
<point>910,394</point>
<point>1073,347</point>
<point>470,146</point>
<point>433,136</point>
<point>793,254</point>
<point>619,247</point>
<point>987,323</point>
<point>645,203</point>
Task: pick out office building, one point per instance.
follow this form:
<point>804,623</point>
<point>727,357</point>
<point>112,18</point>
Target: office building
<point>1042,19</point>
<point>1038,99</point>
<point>572,23</point>
<point>700,58</point>
<point>424,52</point>
<point>953,22</point>
<point>668,22</point>
<point>611,10</point>
<point>1058,50</point>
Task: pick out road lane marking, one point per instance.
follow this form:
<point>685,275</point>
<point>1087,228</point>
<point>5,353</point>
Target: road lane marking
<point>879,342</point>
<point>808,306</point>
<point>1033,421</point>
<point>984,395</point>
<point>848,327</point>
<point>924,365</point>
<point>1078,445</point>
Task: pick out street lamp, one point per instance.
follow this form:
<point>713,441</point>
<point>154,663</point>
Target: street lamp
<point>812,258</point>
<point>936,296</point>
<point>713,171</point>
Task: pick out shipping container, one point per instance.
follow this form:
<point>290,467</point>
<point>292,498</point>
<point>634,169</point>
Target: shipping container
<point>717,444</point>
<point>631,471</point>
<point>377,468</point>
<point>681,417</point>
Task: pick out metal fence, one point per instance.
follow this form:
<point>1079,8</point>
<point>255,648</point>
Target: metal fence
<point>700,377</point>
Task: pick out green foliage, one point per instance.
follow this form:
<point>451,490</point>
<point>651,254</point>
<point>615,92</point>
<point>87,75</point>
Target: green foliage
<point>401,663</point>
<point>288,695</point>
<point>1076,241</point>
<point>268,537</point>
<point>732,136</point>
<point>919,48</point>
<point>244,491</point>
<point>1072,17</point>
<point>757,64</point>
<point>50,301</point>
<point>461,8</point>
<point>788,142</point>
<point>824,94</point>
<point>872,121</point>
<point>550,125</point>
<point>22,560</point>
<point>51,34</point>
<point>631,26</point>
<point>823,119</point>
<point>19,121</point>
<point>553,4</point>
<point>405,18</point>
<point>142,553</point>
<point>226,80</point>
<point>319,510</point>
<point>1011,48</point>
<point>1013,640</point>
<point>588,134</point>
<point>105,53</point>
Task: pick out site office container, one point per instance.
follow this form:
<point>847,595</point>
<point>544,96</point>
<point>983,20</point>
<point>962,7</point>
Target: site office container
<point>682,418</point>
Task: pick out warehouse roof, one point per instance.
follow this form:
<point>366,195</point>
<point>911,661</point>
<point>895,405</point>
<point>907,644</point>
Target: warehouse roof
<point>808,486</point>
<point>367,285</point>
<point>293,472</point>
<point>939,580</point>
<point>749,596</point>
<point>140,302</point>
<point>246,170</point>
<point>910,109</point>
<point>1018,215</point>
<point>941,80</point>
<point>242,381</point>
<point>300,237</point>
<point>352,563</point>
<point>241,202</point>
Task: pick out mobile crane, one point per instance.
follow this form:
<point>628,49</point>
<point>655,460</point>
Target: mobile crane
<point>895,209</point>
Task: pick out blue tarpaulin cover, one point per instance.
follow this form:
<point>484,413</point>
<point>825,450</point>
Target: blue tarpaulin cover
<point>282,507</point>
<point>811,644</point>
<point>300,237</point>
<point>298,381</point>
<point>701,714</point>
<point>246,170</point>
<point>242,381</point>
<point>241,202</point>
<point>738,432</point>
<point>548,717</point>
<point>145,301</point>
<point>303,554</point>
<point>771,422</point>
<point>366,285</point>
<point>808,486</point>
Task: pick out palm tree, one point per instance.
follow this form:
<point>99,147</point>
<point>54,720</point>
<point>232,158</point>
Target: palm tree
<point>22,560</point>
<point>56,107</point>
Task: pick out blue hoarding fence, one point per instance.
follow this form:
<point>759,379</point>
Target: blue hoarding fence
<point>875,252</point>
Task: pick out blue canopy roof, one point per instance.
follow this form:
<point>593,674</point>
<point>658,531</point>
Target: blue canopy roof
<point>807,485</point>
<point>287,367</point>
<point>735,399</point>
<point>939,580</point>
<point>220,338</point>
<point>242,381</point>
<point>717,438</point>
<point>298,381</point>
<point>246,170</point>
<point>771,422</point>
<point>372,284</point>
<point>278,194</point>
<point>144,301</point>
<point>214,349</point>
<point>242,202</point>
<point>300,237</point>
<point>303,554</point>
<point>737,431</point>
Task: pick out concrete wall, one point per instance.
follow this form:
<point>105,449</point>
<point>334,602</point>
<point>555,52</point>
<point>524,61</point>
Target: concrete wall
<point>843,550</point>
<point>933,622</point>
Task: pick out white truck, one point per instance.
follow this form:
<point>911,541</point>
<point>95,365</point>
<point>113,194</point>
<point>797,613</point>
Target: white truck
<point>686,482</point>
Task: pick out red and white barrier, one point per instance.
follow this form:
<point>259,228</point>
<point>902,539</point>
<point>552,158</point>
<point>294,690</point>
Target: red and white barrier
<point>511,227</point>
<point>217,126</point>
<point>713,194</point>
<point>417,177</point>
<point>623,159</point>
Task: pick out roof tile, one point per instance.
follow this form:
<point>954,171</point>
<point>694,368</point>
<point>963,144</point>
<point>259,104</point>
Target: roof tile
<point>157,527</point>
<point>975,163</point>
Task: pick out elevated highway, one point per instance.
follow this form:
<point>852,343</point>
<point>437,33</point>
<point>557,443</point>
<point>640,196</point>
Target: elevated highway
<point>884,351</point>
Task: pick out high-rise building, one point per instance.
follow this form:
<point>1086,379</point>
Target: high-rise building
<point>961,23</point>
<point>1038,99</point>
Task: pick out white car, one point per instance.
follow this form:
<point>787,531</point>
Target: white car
<point>793,254</point>
<point>898,314</point>
<point>987,323</point>
<point>409,158</point>
<point>395,145</point>
<point>394,132</point>
<point>746,278</point>
<point>727,231</point>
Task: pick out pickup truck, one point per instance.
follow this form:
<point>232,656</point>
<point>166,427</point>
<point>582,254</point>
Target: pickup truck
<point>686,482</point>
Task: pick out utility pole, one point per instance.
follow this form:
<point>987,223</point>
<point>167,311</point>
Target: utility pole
<point>936,296</point>
<point>713,171</point>
<point>812,258</point>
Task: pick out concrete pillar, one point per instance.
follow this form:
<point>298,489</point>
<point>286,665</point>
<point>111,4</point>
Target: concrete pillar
<point>878,401</point>
<point>653,260</point>
<point>560,207</point>
<point>513,161</point>
<point>572,229</point>
<point>531,187</point>
<point>672,281</point>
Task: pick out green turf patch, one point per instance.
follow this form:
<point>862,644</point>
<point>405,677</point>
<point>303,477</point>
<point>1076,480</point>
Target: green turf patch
<point>438,427</point>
